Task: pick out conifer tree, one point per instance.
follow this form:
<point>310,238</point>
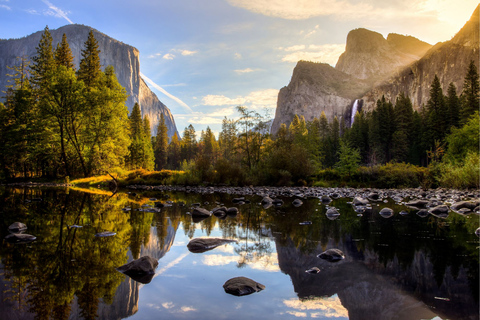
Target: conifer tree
<point>63,54</point>
<point>90,68</point>
<point>436,115</point>
<point>161,145</point>
<point>43,62</point>
<point>471,93</point>
<point>174,152</point>
<point>401,138</point>
<point>189,143</point>
<point>227,139</point>
<point>453,107</point>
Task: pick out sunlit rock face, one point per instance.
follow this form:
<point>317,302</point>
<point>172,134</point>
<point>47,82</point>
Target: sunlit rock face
<point>124,58</point>
<point>448,60</point>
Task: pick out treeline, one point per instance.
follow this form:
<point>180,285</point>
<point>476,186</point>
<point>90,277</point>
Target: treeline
<point>60,122</point>
<point>393,139</point>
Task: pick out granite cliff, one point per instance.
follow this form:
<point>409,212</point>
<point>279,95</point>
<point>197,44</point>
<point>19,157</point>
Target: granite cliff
<point>124,58</point>
<point>372,67</point>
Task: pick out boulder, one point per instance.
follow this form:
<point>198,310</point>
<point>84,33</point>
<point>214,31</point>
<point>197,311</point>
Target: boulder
<point>332,255</point>
<point>313,270</point>
<point>266,200</point>
<point>297,202</point>
<point>17,227</point>
<point>241,286</point>
<point>463,204</point>
<point>386,212</point>
<point>422,213</point>
<point>477,232</point>
<point>201,212</point>
<point>326,199</point>
<point>440,211</point>
<point>141,270</point>
<point>359,201</point>
<point>220,212</point>
<point>200,245</point>
<point>332,213</point>
<point>417,203</point>
<point>232,211</point>
<point>20,238</point>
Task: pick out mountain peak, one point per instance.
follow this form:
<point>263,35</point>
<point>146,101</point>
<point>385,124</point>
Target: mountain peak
<point>469,34</point>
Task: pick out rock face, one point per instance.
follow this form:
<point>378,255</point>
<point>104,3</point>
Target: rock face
<point>124,58</point>
<point>368,55</point>
<point>372,67</point>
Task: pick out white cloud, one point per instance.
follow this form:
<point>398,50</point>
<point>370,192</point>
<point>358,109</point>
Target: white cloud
<point>205,120</point>
<point>187,309</point>
<point>256,99</point>
<point>155,55</point>
<point>242,71</point>
<point>3,6</point>
<point>168,305</point>
<point>57,12</point>
<point>327,53</point>
<point>168,56</point>
<point>188,52</point>
<point>293,48</point>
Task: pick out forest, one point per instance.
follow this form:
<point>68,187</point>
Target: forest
<point>60,123</point>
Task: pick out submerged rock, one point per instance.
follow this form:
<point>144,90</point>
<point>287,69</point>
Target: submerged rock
<point>439,211</point>
<point>417,203</point>
<point>232,211</point>
<point>20,238</point>
<point>104,234</point>
<point>241,286</point>
<point>359,201</point>
<point>326,199</point>
<point>201,212</point>
<point>313,270</point>
<point>17,227</point>
<point>141,270</point>
<point>386,213</point>
<point>332,213</point>
<point>200,245</point>
<point>297,202</point>
<point>477,232</point>
<point>332,255</point>
<point>422,213</point>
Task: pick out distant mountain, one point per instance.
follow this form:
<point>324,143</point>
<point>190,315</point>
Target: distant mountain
<point>372,67</point>
<point>124,58</point>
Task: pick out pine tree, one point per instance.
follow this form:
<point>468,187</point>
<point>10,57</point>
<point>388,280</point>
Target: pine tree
<point>43,62</point>
<point>161,146</point>
<point>436,115</point>
<point>90,68</point>
<point>227,139</point>
<point>471,93</point>
<point>63,54</point>
<point>401,138</point>
<point>453,107</point>
<point>174,152</point>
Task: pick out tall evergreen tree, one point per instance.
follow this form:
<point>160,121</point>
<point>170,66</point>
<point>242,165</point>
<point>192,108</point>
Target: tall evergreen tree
<point>174,153</point>
<point>227,139</point>
<point>44,61</point>
<point>161,145</point>
<point>401,138</point>
<point>436,116</point>
<point>453,107</point>
<point>90,68</point>
<point>63,54</point>
<point>471,93</point>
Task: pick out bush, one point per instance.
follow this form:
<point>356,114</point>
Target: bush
<point>460,176</point>
<point>401,175</point>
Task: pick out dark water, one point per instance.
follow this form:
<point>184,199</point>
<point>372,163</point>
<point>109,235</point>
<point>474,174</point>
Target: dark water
<point>403,267</point>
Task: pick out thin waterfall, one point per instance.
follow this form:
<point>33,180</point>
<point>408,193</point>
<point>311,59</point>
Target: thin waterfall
<point>354,111</point>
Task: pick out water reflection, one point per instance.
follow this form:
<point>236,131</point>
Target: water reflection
<point>404,267</point>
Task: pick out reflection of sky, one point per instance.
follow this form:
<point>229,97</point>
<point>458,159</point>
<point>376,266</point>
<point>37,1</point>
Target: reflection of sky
<point>190,286</point>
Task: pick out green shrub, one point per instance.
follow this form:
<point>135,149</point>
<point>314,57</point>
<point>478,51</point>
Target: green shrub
<point>465,175</point>
<point>401,175</point>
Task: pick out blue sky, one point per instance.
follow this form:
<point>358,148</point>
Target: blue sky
<point>204,57</point>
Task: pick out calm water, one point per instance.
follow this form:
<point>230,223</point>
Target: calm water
<point>404,267</point>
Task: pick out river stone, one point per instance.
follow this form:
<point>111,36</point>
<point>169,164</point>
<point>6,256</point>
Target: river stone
<point>241,286</point>
<point>232,211</point>
<point>359,201</point>
<point>266,200</point>
<point>297,202</point>
<point>463,204</point>
<point>104,234</point>
<point>277,202</point>
<point>332,255</point>
<point>313,270</point>
<point>220,212</point>
<point>17,227</point>
<point>386,212</point>
<point>439,211</point>
<point>422,213</point>
<point>417,203</point>
<point>201,212</point>
<point>477,232</point>
<point>20,238</point>
<point>141,270</point>
<point>332,213</point>
<point>326,199</point>
<point>200,245</point>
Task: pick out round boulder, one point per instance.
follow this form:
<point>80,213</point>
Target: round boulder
<point>241,286</point>
<point>17,227</point>
<point>386,212</point>
<point>141,270</point>
<point>297,202</point>
<point>20,238</point>
<point>332,213</point>
<point>200,245</point>
<point>439,211</point>
<point>332,255</point>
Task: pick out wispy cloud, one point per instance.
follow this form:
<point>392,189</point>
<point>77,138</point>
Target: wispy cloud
<point>4,6</point>
<point>188,52</point>
<point>243,71</point>
<point>237,56</point>
<point>169,56</point>
<point>57,11</point>
<point>327,53</point>
<point>171,96</point>
<point>256,99</point>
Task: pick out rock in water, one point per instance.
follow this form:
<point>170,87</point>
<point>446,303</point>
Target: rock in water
<point>20,238</point>
<point>104,234</point>
<point>440,211</point>
<point>17,227</point>
<point>141,270</point>
<point>332,255</point>
<point>241,286</point>
<point>200,245</point>
<point>297,202</point>
<point>232,211</point>
<point>386,213</point>
<point>477,232</point>
<point>201,212</point>
<point>332,213</point>
<point>313,270</point>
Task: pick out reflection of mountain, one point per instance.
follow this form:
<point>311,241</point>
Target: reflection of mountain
<point>370,289</point>
<point>125,302</point>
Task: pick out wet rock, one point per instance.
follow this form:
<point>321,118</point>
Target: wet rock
<point>386,213</point>
<point>439,211</point>
<point>403,213</point>
<point>374,196</point>
<point>201,213</point>
<point>266,200</point>
<point>220,212</point>
<point>141,270</point>
<point>17,227</point>
<point>326,199</point>
<point>237,200</point>
<point>305,223</point>
<point>422,213</point>
<point>159,205</point>
<point>417,204</point>
<point>313,270</point>
<point>75,226</point>
<point>277,202</point>
<point>332,213</point>
<point>477,232</point>
<point>359,201</point>
<point>104,234</point>
<point>297,202</point>
<point>200,245</point>
<point>20,238</point>
<point>332,255</point>
<point>232,211</point>
<point>463,204</point>
<point>241,286</point>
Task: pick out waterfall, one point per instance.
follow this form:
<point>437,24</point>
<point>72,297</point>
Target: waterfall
<point>354,111</point>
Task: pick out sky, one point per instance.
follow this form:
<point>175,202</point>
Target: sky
<point>202,58</point>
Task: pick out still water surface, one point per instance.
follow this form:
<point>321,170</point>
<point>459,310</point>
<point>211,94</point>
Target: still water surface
<point>403,267</point>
